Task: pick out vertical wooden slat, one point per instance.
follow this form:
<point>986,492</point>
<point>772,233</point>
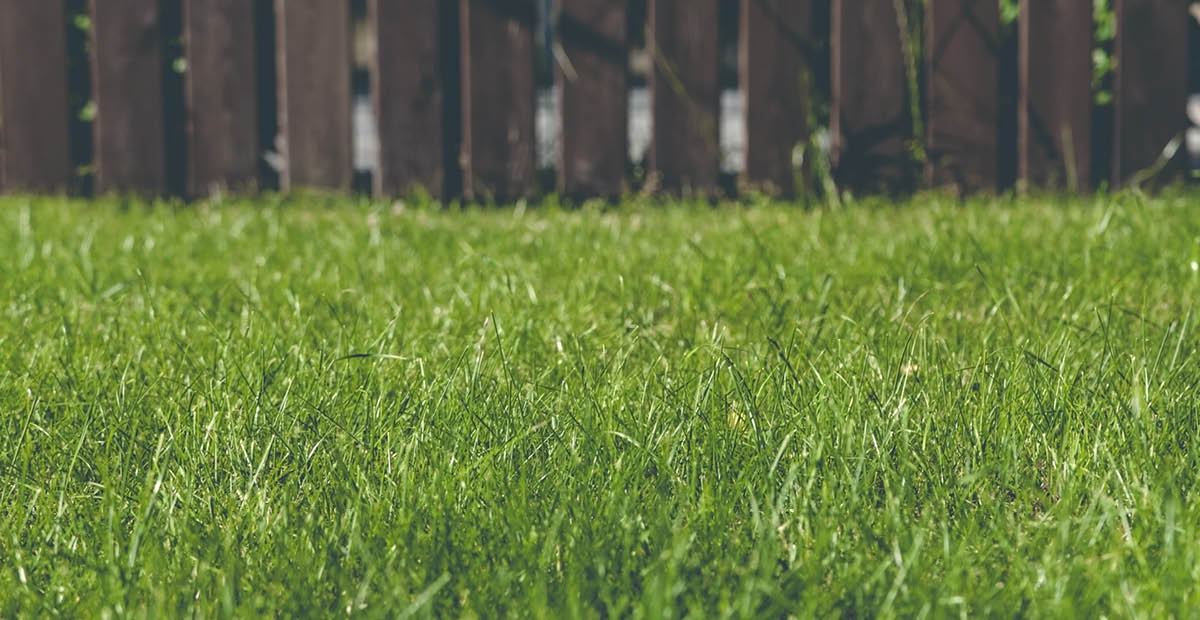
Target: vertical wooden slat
<point>221,97</point>
<point>1055,110</point>
<point>497,98</point>
<point>963,46</point>
<point>34,140</point>
<point>776,39</point>
<point>685,148</point>
<point>1150,81</point>
<point>313,74</point>
<point>128,91</point>
<point>870,120</point>
<point>409,95</point>
<point>595,90</point>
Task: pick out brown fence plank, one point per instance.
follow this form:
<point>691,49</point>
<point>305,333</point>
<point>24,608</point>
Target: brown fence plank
<point>498,98</point>
<point>34,140</point>
<point>127,85</point>
<point>409,95</point>
<point>595,91</point>
<point>1150,81</point>
<point>685,148</point>
<point>776,41</point>
<point>313,73</point>
<point>962,71</point>
<point>221,97</point>
<point>871,122</point>
<point>1054,115</point>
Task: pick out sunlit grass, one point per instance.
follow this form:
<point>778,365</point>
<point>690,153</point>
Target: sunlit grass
<point>303,408</point>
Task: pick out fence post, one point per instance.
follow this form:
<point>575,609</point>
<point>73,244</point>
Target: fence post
<point>497,99</point>
<point>685,151</point>
<point>408,88</point>
<point>871,119</point>
<point>1054,116</point>
<point>594,85</point>
<point>776,45</point>
<point>963,39</point>
<point>34,118</point>
<point>220,95</point>
<point>1149,83</point>
<point>127,65</point>
<point>313,73</point>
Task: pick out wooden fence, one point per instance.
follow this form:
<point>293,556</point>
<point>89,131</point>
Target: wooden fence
<point>453,91</point>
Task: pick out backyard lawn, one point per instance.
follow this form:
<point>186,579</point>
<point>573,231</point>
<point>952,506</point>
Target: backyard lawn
<point>311,406</point>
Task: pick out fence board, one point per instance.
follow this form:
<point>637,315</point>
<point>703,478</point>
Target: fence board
<point>1150,81</point>
<point>594,88</point>
<point>497,98</point>
<point>221,96</point>
<point>1055,109</point>
<point>313,74</point>
<point>871,121</point>
<point>964,43</point>
<point>128,91</point>
<point>34,140</point>
<point>409,95</point>
<point>685,148</point>
<point>776,40</point>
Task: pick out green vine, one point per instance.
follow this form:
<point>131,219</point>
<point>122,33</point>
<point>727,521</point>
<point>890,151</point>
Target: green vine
<point>1105,24</point>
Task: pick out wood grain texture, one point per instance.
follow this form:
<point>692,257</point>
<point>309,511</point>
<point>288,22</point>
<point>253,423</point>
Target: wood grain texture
<point>870,118</point>
<point>685,149</point>
<point>594,87</point>
<point>313,76</point>
<point>776,44</point>
<point>34,116</point>
<point>1054,114</point>
<point>221,96</point>
<point>498,99</point>
<point>128,91</point>
<point>962,71</point>
<point>1149,83</point>
<point>407,75</point>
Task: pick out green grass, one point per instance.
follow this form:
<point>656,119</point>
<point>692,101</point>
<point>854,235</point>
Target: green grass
<point>305,407</point>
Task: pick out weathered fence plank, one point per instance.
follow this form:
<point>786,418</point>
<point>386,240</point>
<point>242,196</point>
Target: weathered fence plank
<point>220,95</point>
<point>1149,83</point>
<point>127,84</point>
<point>497,98</point>
<point>685,150</point>
<point>962,71</point>
<point>594,86</point>
<point>34,141</point>
<point>776,44</point>
<point>871,119</point>
<point>1054,116</point>
<point>313,74</point>
<point>409,95</point>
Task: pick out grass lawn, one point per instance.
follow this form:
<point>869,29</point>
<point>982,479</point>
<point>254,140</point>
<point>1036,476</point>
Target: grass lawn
<point>307,407</point>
